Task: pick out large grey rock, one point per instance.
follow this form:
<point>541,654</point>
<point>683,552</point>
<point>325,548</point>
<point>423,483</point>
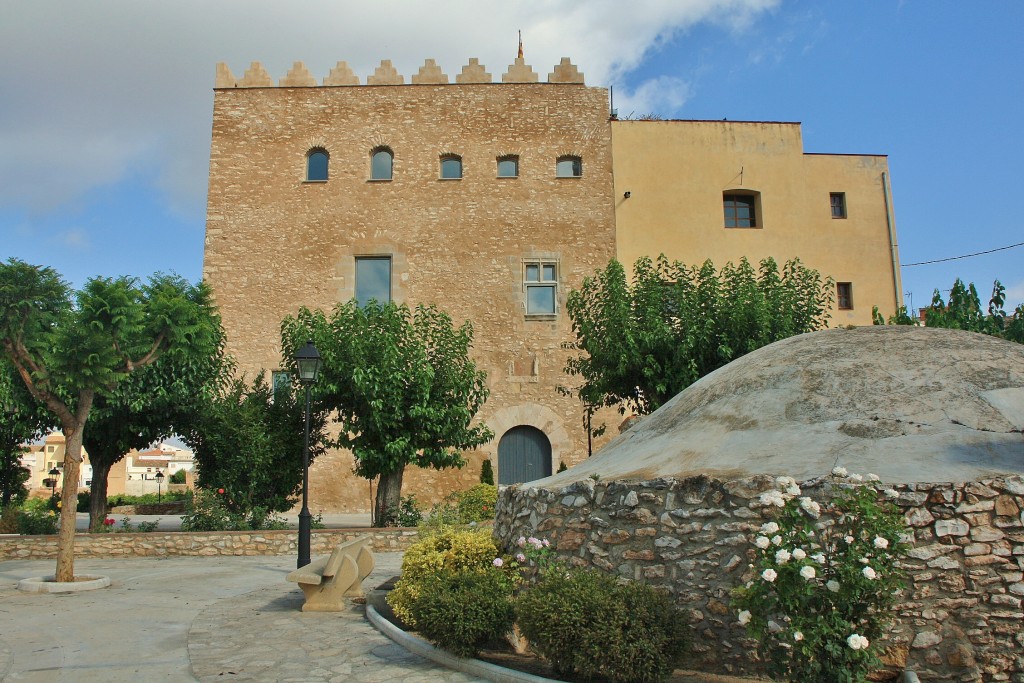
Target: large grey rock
<point>907,403</point>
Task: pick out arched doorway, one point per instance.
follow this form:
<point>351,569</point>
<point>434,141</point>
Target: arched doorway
<point>524,454</point>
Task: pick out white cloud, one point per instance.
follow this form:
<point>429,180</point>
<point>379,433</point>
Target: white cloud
<point>102,89</point>
<point>662,96</point>
<point>1014,295</point>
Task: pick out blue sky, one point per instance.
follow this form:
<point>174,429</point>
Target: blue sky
<point>106,107</point>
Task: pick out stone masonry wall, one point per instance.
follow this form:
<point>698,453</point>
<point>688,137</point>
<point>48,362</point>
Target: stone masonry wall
<point>275,241</point>
<point>961,618</point>
<point>171,544</point>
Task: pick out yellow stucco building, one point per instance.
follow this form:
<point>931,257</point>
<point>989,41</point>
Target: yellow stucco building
<point>722,190</point>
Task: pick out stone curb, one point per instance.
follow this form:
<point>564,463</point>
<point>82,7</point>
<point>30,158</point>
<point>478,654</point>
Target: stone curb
<point>49,584</point>
<point>474,667</point>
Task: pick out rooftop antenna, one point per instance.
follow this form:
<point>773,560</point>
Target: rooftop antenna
<point>520,45</point>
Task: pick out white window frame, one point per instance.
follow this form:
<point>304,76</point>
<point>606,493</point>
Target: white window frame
<point>540,283</point>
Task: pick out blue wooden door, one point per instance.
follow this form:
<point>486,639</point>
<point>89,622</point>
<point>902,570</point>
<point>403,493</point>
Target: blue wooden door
<point>524,454</point>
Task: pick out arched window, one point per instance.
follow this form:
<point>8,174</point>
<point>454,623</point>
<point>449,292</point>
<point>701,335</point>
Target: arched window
<point>508,167</point>
<point>451,167</point>
<point>381,162</point>
<point>569,167</point>
<point>316,164</point>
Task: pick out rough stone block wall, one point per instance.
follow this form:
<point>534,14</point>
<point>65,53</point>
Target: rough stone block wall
<point>275,242</point>
<point>961,618</point>
<point>202,544</point>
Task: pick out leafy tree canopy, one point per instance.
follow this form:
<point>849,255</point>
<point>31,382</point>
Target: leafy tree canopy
<point>964,312</point>
<point>400,383</point>
<point>22,419</point>
<point>644,340</point>
<point>248,441</point>
<point>70,347</point>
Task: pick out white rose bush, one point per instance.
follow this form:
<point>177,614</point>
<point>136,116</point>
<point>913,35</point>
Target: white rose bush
<point>825,580</point>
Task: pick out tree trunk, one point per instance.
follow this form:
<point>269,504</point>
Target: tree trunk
<point>69,505</point>
<point>98,493</point>
<point>389,497</point>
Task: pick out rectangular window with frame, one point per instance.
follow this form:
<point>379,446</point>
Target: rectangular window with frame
<point>373,279</point>
<point>540,280</point>
<point>838,202</point>
<point>740,210</point>
<point>844,296</point>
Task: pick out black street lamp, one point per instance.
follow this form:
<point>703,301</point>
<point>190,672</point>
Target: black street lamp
<point>307,360</point>
<point>159,480</point>
<point>54,473</point>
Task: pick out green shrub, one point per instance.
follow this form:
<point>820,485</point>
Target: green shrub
<point>828,580</point>
<point>587,625</point>
<point>461,611</point>
<point>476,504</point>
<point>9,520</point>
<point>205,511</point>
<point>487,473</point>
<point>447,551</point>
<point>32,522</point>
<point>177,477</point>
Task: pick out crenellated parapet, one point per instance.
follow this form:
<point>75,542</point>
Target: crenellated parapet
<point>298,76</point>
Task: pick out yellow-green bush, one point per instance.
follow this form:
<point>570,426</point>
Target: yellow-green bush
<point>477,504</point>
<point>449,550</point>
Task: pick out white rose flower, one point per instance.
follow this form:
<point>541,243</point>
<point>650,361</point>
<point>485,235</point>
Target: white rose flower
<point>819,558</point>
<point>762,542</point>
<point>839,471</point>
<point>798,636</point>
<point>793,490</point>
<point>744,617</point>
<point>833,586</point>
<point>799,554</point>
<point>857,642</point>
<point>769,528</point>
<point>769,575</point>
<point>891,493</point>
<point>881,542</point>
<point>785,482</point>
<point>776,540</point>
<point>869,573</point>
<point>856,478</point>
<point>872,477</point>
<point>782,556</point>
<point>807,572</point>
<point>849,540</point>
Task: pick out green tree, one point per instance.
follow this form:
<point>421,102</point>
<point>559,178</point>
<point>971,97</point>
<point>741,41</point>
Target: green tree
<point>963,312</point>
<point>157,401</point>
<point>400,383</point>
<point>644,340</point>
<point>248,442</point>
<point>68,348</point>
<point>22,419</point>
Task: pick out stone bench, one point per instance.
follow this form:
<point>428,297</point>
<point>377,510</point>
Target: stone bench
<point>326,582</point>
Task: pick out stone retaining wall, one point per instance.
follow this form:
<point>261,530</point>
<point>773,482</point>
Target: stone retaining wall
<point>961,617</point>
<point>167,544</point>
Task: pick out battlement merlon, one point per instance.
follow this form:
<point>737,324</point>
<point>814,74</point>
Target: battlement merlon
<point>386,74</point>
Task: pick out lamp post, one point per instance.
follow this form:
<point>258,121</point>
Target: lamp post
<point>54,473</point>
<point>159,480</point>
<point>307,360</point>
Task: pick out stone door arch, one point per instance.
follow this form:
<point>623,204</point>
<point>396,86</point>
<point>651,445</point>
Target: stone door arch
<point>524,454</point>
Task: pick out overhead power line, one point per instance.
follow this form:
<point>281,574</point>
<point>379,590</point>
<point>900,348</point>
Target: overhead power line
<point>954,258</point>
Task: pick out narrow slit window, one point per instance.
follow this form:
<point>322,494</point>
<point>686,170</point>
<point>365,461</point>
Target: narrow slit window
<point>316,165</point>
<point>381,164</point>
<point>837,200</point>
<point>844,296</point>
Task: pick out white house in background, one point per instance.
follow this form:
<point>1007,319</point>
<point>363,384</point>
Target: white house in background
<point>41,458</point>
